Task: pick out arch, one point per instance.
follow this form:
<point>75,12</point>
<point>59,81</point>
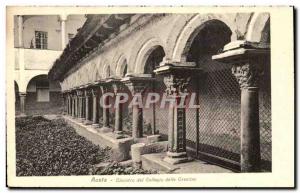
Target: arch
<point>43,77</point>
<point>259,24</point>
<point>121,66</point>
<point>16,89</point>
<point>106,71</point>
<point>144,52</point>
<point>182,42</point>
<point>28,78</point>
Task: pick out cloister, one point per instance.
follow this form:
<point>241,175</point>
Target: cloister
<point>223,58</point>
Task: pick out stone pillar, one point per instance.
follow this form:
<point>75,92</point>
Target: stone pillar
<point>95,94</point>
<point>247,61</point>
<point>22,102</point>
<point>69,104</point>
<point>104,89</point>
<point>64,103</point>
<point>117,89</point>
<point>137,85</point>
<point>74,105</point>
<point>176,78</point>
<point>63,19</point>
<point>81,106</point>
<point>87,106</point>
<point>20,31</point>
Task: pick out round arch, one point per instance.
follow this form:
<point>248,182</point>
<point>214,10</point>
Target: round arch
<point>42,77</point>
<point>29,78</point>
<point>106,71</point>
<point>260,23</point>
<point>181,43</point>
<point>122,65</point>
<point>144,52</point>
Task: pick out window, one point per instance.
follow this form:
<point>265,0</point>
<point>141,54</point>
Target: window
<point>43,95</point>
<point>70,36</point>
<point>42,89</point>
<point>41,40</point>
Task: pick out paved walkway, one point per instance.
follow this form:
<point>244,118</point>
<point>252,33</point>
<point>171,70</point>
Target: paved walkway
<point>193,166</point>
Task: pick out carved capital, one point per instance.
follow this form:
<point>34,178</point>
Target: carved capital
<point>137,87</point>
<point>176,84</point>
<point>79,93</point>
<point>247,74</point>
<point>95,91</point>
<point>88,92</point>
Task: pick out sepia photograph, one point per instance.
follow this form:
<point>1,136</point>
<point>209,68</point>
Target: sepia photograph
<point>133,97</point>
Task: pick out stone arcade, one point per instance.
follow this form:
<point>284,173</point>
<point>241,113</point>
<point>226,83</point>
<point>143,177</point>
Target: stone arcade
<point>176,54</point>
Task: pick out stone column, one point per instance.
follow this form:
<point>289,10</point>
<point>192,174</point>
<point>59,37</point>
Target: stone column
<point>63,19</point>
<point>73,105</point>
<point>76,104</point>
<point>137,84</point>
<point>64,103</point>
<point>247,61</point>
<point>95,94</point>
<point>22,102</point>
<point>81,106</point>
<point>117,89</point>
<point>176,78</point>
<point>74,109</point>
<point>87,106</point>
<point>104,89</point>
<point>69,104</point>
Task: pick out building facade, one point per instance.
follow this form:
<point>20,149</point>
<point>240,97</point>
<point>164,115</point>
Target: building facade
<point>224,58</point>
<point>38,41</point>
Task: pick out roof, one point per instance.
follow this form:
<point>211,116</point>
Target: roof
<point>95,30</point>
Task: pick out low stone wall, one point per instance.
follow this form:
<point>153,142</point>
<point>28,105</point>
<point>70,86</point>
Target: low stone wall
<point>120,147</point>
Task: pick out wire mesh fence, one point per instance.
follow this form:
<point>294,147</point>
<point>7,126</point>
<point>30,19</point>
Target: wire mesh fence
<point>216,130</point>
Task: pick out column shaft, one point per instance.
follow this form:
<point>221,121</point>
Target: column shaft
<point>106,112</point>
<point>22,102</point>
<point>87,108</point>
<point>250,135</point>
<point>95,110</point>
<point>118,118</point>
<point>137,122</point>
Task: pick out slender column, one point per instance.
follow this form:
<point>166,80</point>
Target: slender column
<point>80,106</point>
<point>105,109</point>
<point>63,19</point>
<point>64,103</point>
<point>69,103</point>
<point>95,107</point>
<point>176,78</point>
<point>76,105</point>
<point>137,85</point>
<point>137,122</point>
<point>22,102</point>
<point>248,77</point>
<point>73,105</point>
<point>247,61</point>
<point>118,90</point>
<point>87,106</point>
<point>20,31</point>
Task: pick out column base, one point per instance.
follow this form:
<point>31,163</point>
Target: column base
<point>105,129</point>
<point>176,158</point>
<point>87,122</point>
<point>119,134</point>
<point>95,125</point>
<point>22,115</point>
<point>81,120</point>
